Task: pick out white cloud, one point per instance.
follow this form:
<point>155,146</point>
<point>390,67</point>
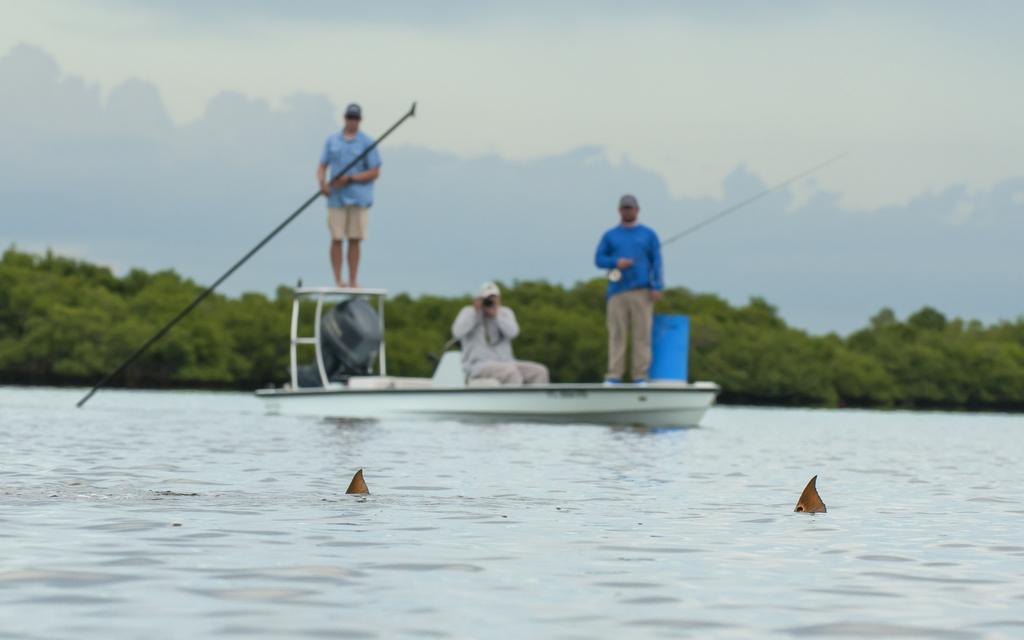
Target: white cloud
<point>920,97</point>
<point>138,190</point>
<point>962,211</point>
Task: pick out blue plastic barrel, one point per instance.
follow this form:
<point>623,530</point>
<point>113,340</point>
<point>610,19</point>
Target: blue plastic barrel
<point>670,345</point>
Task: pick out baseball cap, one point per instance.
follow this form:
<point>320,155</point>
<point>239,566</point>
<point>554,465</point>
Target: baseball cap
<point>353,111</point>
<point>488,289</point>
<point>629,201</point>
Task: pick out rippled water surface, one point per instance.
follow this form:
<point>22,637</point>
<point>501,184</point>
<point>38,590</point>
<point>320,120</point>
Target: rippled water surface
<point>194,514</point>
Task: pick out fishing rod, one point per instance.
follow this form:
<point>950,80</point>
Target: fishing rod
<point>615,274</point>
<point>202,296</point>
<point>740,205</point>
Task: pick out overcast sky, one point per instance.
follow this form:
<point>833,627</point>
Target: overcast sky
<point>191,128</point>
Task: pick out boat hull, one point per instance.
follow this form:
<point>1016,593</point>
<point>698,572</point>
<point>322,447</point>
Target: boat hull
<point>652,405</point>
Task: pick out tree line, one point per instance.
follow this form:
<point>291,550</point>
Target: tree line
<point>66,321</point>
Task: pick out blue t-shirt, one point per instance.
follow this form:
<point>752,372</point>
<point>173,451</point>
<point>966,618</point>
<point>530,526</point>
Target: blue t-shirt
<point>639,243</point>
<point>338,152</point>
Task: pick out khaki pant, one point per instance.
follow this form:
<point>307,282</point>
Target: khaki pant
<point>513,373</point>
<point>348,221</point>
<point>630,309</point>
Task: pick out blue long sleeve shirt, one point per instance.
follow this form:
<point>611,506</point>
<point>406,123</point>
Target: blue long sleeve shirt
<point>639,243</point>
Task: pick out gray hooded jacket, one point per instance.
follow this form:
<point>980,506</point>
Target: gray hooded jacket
<point>485,339</point>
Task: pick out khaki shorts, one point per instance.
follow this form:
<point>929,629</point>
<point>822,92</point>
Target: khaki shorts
<point>348,221</point>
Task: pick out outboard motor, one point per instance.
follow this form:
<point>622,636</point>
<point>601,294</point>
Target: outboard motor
<point>350,337</point>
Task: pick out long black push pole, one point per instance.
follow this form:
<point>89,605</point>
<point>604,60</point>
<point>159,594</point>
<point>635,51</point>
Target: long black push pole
<point>202,296</point>
<point>740,205</point>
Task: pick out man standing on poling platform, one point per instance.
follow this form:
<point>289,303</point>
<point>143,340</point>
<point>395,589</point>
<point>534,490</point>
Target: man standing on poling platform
<point>349,196</point>
<point>632,253</point>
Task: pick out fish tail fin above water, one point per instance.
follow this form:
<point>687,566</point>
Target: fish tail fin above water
<point>810,501</point>
<point>358,485</point>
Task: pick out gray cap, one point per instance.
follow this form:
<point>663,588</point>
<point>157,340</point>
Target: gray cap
<point>353,111</point>
<point>629,201</point>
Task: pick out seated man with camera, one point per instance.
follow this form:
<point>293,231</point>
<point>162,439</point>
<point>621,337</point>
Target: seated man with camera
<point>486,330</point>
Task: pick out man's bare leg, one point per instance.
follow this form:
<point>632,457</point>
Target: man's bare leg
<point>336,261</point>
<point>353,262</point>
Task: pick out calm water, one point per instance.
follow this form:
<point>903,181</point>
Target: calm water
<point>192,514</point>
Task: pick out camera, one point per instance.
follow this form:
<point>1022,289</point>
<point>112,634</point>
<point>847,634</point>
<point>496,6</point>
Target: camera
<point>489,301</point>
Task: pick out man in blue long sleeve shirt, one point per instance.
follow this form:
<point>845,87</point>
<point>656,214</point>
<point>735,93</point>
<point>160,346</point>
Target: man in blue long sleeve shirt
<point>632,253</point>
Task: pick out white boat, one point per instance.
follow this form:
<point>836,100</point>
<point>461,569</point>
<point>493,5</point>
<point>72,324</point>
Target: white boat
<point>448,395</point>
